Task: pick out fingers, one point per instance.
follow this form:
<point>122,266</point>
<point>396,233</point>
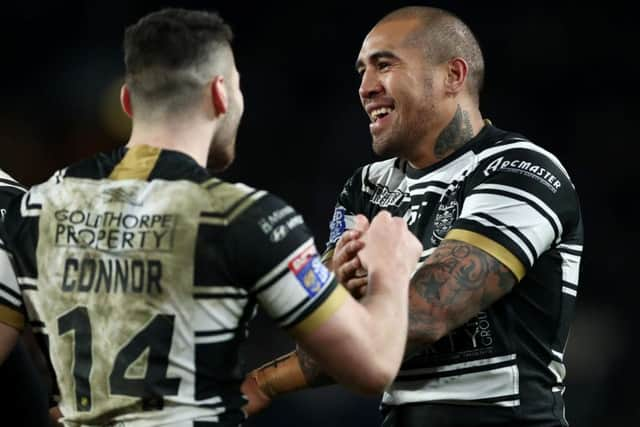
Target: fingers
<point>361,224</point>
<point>348,263</point>
<point>357,287</point>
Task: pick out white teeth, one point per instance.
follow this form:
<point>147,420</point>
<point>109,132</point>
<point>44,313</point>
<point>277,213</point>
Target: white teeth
<point>379,111</point>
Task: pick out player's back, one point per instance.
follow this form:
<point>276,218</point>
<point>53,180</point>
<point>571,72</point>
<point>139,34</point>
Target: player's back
<point>124,266</point>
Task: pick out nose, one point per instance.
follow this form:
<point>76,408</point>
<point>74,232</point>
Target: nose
<point>370,85</point>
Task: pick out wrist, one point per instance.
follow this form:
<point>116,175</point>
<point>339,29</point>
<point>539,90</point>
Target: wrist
<point>279,376</point>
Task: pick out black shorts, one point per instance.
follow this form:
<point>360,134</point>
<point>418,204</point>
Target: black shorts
<point>443,415</point>
<point>23,395</point>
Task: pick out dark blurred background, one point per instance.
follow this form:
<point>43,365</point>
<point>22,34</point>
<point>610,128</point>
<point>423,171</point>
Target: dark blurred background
<point>551,75</point>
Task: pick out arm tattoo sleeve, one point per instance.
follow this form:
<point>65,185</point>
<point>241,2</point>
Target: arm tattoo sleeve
<point>456,282</point>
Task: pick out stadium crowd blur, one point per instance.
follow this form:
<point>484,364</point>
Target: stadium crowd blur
<point>304,132</point>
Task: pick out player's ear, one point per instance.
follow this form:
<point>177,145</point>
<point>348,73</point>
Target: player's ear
<point>218,96</point>
<point>457,71</point>
<point>125,100</point>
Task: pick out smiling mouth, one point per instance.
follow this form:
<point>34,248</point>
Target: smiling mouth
<point>380,113</point>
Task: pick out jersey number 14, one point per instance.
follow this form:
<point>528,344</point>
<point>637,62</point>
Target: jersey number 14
<point>155,336</point>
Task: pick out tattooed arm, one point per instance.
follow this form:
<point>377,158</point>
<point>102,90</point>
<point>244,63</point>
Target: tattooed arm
<point>454,284</point>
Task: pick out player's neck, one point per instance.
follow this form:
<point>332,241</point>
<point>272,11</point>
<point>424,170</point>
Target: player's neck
<point>465,123</point>
<point>189,137</point>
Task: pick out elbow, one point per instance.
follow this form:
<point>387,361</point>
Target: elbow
<point>377,379</point>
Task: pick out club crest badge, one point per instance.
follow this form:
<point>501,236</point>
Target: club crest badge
<point>447,213</point>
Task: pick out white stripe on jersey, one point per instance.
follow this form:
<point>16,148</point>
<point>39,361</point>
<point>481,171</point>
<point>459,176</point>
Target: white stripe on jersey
<point>17,187</point>
<point>514,238</point>
<point>427,189</point>
<point>558,370</point>
<point>30,205</point>
<point>534,201</point>
<point>24,280</point>
<point>466,387</point>
<point>211,314</point>
<point>569,291</point>
<point>577,248</point>
<point>8,278</point>
<point>522,143</point>
<point>570,268</point>
<point>557,354</point>
<point>208,339</point>
<point>455,366</point>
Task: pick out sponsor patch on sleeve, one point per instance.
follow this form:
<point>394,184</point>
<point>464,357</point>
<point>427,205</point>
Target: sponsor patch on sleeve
<point>338,224</point>
<point>309,270</point>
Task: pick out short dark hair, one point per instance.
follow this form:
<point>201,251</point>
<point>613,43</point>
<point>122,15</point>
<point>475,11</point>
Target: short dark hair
<point>444,36</point>
<point>170,53</point>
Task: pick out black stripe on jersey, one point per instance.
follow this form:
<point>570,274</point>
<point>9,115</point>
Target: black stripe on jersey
<point>293,310</point>
<point>31,205</point>
<point>530,202</point>
<point>37,323</point>
<point>230,209</point>
<point>10,291</point>
<point>216,182</point>
<point>214,333</point>
<point>206,424</point>
<point>271,282</point>
<point>220,295</point>
<point>430,375</point>
<point>28,287</point>
<point>439,184</point>
<point>497,399</point>
<point>310,309</point>
<point>570,285</point>
<point>511,228</point>
<point>12,183</point>
<point>495,235</point>
<point>210,268</point>
<point>4,301</point>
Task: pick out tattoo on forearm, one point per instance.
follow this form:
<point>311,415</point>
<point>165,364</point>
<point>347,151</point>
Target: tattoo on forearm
<point>455,134</point>
<point>456,282</point>
<point>312,373</point>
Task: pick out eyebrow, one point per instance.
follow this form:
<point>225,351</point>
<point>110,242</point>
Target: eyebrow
<point>376,56</point>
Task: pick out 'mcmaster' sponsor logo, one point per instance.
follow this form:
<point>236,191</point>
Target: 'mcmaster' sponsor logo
<point>523,167</point>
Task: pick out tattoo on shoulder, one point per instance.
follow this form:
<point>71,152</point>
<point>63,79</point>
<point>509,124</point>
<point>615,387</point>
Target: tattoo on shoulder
<point>455,134</point>
<point>456,282</point>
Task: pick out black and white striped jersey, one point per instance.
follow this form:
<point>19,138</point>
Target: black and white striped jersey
<point>9,298</point>
<point>142,272</point>
<point>511,198</point>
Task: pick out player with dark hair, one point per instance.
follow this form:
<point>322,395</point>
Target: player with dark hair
<point>493,295</point>
<point>142,270</point>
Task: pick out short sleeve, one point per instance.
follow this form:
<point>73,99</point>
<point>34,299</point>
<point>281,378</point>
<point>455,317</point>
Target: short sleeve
<point>517,205</point>
<point>272,254</point>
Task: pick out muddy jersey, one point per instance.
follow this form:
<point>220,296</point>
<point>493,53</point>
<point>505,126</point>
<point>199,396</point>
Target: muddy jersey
<point>511,198</point>
<point>142,272</point>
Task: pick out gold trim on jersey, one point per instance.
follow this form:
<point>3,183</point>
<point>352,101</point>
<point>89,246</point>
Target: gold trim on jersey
<point>137,163</point>
<point>322,312</point>
<point>227,203</point>
<point>491,247</point>
<point>326,257</point>
<point>11,317</point>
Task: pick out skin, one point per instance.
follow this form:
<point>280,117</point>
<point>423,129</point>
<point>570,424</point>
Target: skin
<point>432,116</point>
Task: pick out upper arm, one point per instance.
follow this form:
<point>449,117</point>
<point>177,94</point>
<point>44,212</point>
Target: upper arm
<point>517,205</point>
<point>456,282</point>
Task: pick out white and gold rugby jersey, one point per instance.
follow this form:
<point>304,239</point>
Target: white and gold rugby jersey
<point>142,271</point>
<point>513,199</point>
